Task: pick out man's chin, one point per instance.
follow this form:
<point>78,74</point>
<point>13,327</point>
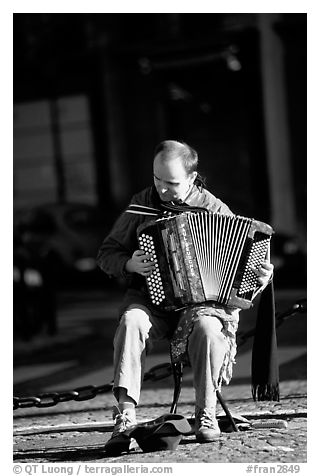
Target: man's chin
<point>165,199</point>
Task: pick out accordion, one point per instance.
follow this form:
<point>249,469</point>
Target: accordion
<point>204,256</point>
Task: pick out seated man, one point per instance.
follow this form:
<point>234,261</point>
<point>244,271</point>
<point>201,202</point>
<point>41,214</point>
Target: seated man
<point>211,344</point>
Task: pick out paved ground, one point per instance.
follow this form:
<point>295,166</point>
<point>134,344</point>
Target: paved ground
<point>74,357</point>
<point>286,445</point>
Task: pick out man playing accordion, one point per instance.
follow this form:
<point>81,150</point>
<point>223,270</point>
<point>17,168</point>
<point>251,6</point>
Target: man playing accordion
<point>211,326</point>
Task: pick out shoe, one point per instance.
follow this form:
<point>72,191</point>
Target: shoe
<point>206,425</point>
<point>120,441</point>
<point>123,420</point>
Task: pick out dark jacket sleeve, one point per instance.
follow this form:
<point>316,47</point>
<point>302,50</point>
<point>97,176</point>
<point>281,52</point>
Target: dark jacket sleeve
<point>119,245</point>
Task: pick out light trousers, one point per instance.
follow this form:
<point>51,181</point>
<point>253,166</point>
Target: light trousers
<point>208,346</point>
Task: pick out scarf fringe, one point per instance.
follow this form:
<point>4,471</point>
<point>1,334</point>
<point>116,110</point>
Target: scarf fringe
<point>265,392</point>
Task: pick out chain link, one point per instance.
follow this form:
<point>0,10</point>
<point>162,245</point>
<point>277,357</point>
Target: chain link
<point>158,372</point>
<point>25,402</point>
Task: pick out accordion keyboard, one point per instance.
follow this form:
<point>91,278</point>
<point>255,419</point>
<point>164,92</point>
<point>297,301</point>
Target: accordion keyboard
<point>154,281</point>
<point>256,255</point>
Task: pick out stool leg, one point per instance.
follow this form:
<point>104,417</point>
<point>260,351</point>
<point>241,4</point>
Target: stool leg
<point>177,371</point>
<point>226,410</point>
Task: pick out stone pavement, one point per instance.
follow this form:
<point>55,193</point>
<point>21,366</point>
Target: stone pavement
<point>85,444</point>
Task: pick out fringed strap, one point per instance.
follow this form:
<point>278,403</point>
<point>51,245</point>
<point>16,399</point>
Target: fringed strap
<point>265,392</point>
<point>264,365</point>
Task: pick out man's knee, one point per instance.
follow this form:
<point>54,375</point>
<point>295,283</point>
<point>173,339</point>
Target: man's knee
<point>136,318</point>
<point>208,327</point>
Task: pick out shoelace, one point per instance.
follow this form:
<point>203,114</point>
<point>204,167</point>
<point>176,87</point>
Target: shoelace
<point>122,422</point>
<point>206,419</point>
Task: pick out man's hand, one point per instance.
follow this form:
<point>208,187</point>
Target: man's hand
<point>139,263</point>
<point>264,272</point>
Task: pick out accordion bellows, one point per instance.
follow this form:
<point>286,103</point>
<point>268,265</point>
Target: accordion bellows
<point>204,256</point>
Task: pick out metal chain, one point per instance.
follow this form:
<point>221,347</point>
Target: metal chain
<point>79,394</point>
<point>299,307</point>
<point>158,372</point>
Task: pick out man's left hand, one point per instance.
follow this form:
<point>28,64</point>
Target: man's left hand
<point>264,272</point>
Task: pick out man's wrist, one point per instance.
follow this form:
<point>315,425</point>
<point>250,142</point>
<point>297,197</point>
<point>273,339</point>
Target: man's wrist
<point>263,286</point>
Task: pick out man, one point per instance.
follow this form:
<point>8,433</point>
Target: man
<point>211,344</point>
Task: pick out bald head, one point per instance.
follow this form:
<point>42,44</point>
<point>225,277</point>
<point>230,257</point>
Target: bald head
<point>169,150</point>
<point>174,170</point>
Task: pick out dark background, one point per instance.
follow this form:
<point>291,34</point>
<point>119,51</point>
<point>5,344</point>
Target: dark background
<point>94,93</point>
<point>147,77</point>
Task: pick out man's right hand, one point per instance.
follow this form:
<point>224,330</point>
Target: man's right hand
<point>139,263</point>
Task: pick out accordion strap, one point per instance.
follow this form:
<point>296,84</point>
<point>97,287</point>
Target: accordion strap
<point>143,210</point>
<point>164,208</point>
<point>182,208</point>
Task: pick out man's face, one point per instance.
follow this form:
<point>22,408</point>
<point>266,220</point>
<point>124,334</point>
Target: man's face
<point>171,179</point>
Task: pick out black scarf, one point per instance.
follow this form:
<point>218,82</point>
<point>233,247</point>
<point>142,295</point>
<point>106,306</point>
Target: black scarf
<point>264,365</point>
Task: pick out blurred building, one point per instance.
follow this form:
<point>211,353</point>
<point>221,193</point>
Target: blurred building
<point>94,94</point>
